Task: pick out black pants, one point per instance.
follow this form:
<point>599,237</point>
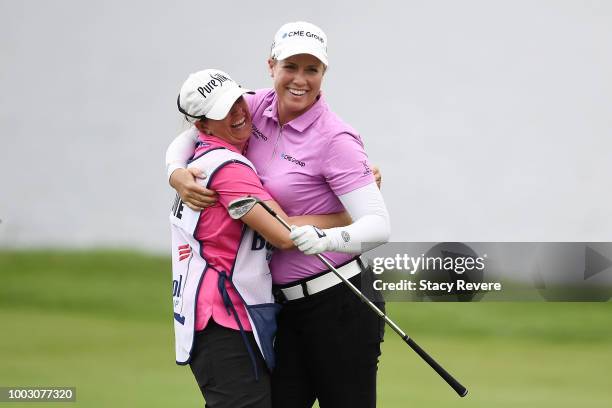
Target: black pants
<point>327,348</point>
<point>224,371</point>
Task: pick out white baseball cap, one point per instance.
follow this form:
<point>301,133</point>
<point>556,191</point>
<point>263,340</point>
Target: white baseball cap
<point>299,37</point>
<point>208,94</point>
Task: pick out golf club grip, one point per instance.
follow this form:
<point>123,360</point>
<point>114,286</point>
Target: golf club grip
<point>450,380</point>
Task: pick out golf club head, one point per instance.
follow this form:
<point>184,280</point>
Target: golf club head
<point>240,206</point>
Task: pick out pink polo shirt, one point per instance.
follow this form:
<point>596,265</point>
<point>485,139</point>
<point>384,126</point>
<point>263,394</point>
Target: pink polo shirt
<point>305,165</point>
<point>220,235</point>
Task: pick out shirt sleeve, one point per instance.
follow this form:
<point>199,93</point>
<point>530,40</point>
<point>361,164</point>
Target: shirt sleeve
<point>371,227</point>
<point>345,165</point>
<point>181,150</point>
<point>237,180</point>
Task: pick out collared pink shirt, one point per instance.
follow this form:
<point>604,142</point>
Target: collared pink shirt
<point>304,165</point>
<point>220,235</point>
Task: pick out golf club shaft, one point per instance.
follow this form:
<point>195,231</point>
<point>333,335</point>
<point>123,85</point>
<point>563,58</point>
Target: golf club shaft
<point>450,380</point>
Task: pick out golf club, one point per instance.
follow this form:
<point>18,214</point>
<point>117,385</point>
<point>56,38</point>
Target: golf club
<point>241,206</point>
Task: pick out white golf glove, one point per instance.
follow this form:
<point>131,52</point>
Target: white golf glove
<point>310,239</point>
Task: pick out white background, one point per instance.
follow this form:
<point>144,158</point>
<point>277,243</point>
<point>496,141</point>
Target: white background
<point>491,120</point>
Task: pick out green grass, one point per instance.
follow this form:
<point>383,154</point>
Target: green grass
<point>101,321</point>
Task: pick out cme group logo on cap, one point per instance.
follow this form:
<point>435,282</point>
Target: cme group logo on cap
<point>302,33</point>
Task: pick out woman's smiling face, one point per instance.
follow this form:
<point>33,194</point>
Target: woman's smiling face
<point>235,128</point>
<point>297,81</point>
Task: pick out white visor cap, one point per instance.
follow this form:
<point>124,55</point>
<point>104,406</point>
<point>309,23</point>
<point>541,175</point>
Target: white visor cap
<point>210,93</point>
<point>299,37</point>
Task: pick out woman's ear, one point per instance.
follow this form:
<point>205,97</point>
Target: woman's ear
<point>271,63</point>
<point>201,126</point>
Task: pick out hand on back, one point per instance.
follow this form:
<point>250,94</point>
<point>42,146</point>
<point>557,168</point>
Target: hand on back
<point>196,196</point>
